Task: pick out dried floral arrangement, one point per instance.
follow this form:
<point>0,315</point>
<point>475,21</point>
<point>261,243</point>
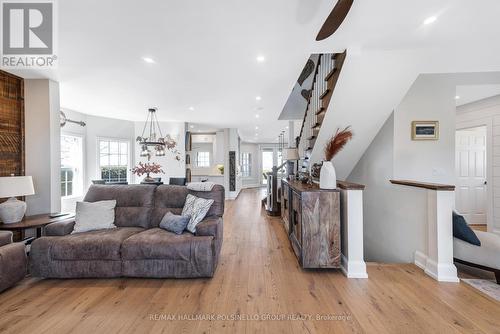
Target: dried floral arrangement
<point>147,168</point>
<point>337,142</point>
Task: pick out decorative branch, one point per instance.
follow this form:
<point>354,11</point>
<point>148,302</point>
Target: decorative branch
<point>337,142</point>
<point>146,168</point>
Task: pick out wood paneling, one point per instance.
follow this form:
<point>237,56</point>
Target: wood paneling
<point>11,125</point>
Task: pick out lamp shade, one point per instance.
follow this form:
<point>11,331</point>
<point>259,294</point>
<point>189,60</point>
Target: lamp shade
<point>291,154</point>
<point>12,186</point>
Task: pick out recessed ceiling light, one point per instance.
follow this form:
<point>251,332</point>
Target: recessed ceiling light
<point>257,115</point>
<point>430,20</point>
<point>148,60</point>
<point>258,98</point>
<point>286,127</point>
<point>261,58</point>
<point>191,126</point>
<point>256,128</point>
<point>457,97</point>
<point>191,108</point>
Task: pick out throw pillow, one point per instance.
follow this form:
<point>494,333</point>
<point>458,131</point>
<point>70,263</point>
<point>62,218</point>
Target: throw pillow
<point>197,208</point>
<point>174,223</point>
<point>462,231</point>
<point>94,216</point>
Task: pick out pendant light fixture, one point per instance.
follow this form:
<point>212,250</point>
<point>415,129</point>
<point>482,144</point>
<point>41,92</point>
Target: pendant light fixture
<point>151,139</point>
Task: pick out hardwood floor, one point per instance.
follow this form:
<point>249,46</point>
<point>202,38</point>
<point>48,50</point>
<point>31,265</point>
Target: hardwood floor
<point>257,275</point>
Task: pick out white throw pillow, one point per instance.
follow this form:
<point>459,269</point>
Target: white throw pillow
<point>197,208</point>
<point>94,216</point>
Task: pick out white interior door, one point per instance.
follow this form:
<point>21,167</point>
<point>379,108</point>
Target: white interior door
<point>470,163</point>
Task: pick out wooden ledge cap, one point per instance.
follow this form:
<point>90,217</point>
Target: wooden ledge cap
<point>425,185</point>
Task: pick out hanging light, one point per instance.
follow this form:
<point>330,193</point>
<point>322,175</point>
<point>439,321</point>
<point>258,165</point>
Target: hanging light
<point>152,136</point>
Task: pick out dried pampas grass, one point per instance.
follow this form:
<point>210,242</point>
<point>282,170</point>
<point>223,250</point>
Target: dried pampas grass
<point>337,142</point>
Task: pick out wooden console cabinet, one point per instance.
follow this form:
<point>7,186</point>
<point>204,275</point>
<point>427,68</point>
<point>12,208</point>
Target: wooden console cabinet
<point>312,220</point>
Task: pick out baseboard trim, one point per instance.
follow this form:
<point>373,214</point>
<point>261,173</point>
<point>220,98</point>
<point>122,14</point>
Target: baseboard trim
<point>440,272</point>
<point>353,269</point>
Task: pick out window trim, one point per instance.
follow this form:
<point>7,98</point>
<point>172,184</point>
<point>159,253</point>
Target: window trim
<point>98,154</point>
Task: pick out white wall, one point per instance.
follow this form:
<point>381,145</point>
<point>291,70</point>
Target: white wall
<point>430,98</point>
<point>42,143</point>
<point>487,112</point>
<point>171,166</point>
<point>254,179</point>
<point>394,217</point>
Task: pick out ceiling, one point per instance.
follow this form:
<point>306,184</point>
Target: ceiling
<point>205,52</point>
<point>472,93</point>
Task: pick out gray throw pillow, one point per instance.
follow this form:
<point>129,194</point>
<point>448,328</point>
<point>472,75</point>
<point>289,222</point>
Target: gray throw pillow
<point>197,208</point>
<point>174,223</point>
<point>94,216</point>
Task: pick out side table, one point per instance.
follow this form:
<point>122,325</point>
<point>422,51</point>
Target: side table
<point>37,222</point>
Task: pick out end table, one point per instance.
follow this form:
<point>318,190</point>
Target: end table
<point>37,222</point>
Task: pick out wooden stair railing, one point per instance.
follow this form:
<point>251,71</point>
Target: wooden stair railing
<point>325,79</point>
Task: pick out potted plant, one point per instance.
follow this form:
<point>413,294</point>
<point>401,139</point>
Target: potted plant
<point>147,168</point>
<point>328,176</point>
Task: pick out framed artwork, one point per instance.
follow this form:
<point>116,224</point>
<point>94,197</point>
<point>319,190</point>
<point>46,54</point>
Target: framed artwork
<point>425,130</point>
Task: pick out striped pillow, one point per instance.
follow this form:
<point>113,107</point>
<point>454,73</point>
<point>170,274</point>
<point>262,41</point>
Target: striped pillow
<point>197,208</point>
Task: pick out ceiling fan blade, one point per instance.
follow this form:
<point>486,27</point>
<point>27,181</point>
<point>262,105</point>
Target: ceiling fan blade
<point>335,19</point>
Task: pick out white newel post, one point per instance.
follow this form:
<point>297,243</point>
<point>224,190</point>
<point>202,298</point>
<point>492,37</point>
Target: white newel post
<point>439,262</point>
<point>353,263</point>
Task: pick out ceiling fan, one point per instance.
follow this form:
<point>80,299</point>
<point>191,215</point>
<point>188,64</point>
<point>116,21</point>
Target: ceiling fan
<point>335,19</point>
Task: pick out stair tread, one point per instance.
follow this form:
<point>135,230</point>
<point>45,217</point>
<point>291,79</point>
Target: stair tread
<point>329,75</point>
<point>325,93</point>
<point>320,111</point>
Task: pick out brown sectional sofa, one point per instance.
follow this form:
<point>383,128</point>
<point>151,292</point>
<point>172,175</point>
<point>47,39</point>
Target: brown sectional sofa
<point>137,248</point>
<point>13,261</point>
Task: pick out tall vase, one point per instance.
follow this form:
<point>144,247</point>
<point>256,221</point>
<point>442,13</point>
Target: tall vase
<point>327,176</point>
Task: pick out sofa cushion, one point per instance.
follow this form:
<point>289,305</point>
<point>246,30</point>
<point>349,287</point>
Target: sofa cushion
<point>174,223</point>
<point>171,198</point>
<point>156,243</point>
<point>5,238</point>
<point>94,216</point>
<point>95,245</point>
<point>196,208</point>
<point>134,203</point>
<point>462,231</point>
<point>485,255</point>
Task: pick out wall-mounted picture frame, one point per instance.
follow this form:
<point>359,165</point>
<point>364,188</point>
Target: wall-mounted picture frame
<point>425,130</point>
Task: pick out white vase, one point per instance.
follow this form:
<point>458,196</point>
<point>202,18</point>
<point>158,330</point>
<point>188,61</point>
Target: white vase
<point>328,177</point>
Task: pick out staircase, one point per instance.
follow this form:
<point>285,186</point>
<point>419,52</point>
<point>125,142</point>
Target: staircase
<point>325,79</point>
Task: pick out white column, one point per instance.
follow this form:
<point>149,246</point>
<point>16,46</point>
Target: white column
<point>43,151</point>
<point>439,263</point>
<point>353,263</point>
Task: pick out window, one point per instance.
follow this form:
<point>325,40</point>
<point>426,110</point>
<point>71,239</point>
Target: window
<point>203,159</point>
<point>66,182</point>
<point>113,160</point>
<point>246,164</point>
<point>71,166</point>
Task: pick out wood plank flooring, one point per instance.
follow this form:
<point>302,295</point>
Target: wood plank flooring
<point>259,281</point>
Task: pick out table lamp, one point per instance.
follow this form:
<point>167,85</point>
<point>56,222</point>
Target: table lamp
<point>13,210</point>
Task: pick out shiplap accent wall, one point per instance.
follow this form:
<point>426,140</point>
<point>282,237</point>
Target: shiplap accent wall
<point>487,112</point>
